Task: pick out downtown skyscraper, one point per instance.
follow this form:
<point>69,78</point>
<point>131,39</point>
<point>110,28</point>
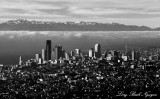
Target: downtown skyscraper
<point>48,50</point>
<point>91,52</point>
<point>77,52</point>
<point>97,50</point>
<point>59,52</point>
<point>43,54</point>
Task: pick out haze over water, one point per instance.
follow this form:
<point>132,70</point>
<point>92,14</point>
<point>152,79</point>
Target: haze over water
<point>27,43</point>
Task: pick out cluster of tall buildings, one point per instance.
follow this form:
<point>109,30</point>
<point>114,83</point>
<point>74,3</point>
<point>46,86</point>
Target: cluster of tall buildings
<point>50,54</point>
<point>58,54</point>
<point>95,53</point>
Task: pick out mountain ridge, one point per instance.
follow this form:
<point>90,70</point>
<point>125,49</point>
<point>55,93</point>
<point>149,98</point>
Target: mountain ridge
<point>25,25</point>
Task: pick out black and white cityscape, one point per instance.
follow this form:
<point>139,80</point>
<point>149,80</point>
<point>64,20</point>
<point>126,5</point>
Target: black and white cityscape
<point>55,73</point>
<point>79,49</point>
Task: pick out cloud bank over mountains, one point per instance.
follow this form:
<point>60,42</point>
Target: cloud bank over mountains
<point>138,12</point>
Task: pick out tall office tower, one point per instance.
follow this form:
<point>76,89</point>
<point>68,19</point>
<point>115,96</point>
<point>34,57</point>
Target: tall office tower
<point>124,57</point>
<point>135,55</point>
<point>48,50</point>
<point>63,53</point>
<point>126,50</point>
<point>91,52</point>
<point>1,66</point>
<point>37,57</point>
<point>53,58</point>
<point>40,61</point>
<point>105,53</point>
<point>58,52</point>
<point>43,55</point>
<point>97,50</point>
<point>20,60</point>
<point>77,52</point>
<point>109,56</point>
<point>72,53</point>
<point>115,54</point>
<point>67,56</point>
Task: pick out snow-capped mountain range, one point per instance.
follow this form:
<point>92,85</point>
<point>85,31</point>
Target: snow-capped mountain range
<point>25,25</point>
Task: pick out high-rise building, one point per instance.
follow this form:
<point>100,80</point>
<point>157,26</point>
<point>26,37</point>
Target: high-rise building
<point>1,66</point>
<point>63,53</point>
<point>20,60</point>
<point>77,52</point>
<point>126,50</point>
<point>37,57</point>
<point>48,50</point>
<point>91,52</point>
<point>53,57</point>
<point>97,51</point>
<point>135,55</point>
<point>72,54</point>
<point>40,61</point>
<point>67,56</point>
<point>109,56</point>
<point>115,54</point>
<point>59,52</point>
<point>124,57</point>
<point>43,55</point>
<point>105,53</point>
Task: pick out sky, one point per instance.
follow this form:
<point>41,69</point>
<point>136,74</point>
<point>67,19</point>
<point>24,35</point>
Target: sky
<point>132,12</point>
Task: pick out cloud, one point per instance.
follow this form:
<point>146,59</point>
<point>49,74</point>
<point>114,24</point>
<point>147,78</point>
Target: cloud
<point>82,7</point>
<point>78,35</point>
<point>11,37</point>
<point>94,10</point>
<point>15,35</point>
<point>35,34</point>
<point>14,10</point>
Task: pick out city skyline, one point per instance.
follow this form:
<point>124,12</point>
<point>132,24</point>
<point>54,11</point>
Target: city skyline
<point>130,12</point>
<point>79,49</point>
<point>114,75</point>
<point>58,55</point>
<point>25,43</point>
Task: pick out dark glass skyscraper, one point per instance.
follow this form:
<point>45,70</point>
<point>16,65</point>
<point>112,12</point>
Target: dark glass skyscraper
<point>48,50</point>
<point>97,50</point>
<point>135,55</point>
<point>58,52</point>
